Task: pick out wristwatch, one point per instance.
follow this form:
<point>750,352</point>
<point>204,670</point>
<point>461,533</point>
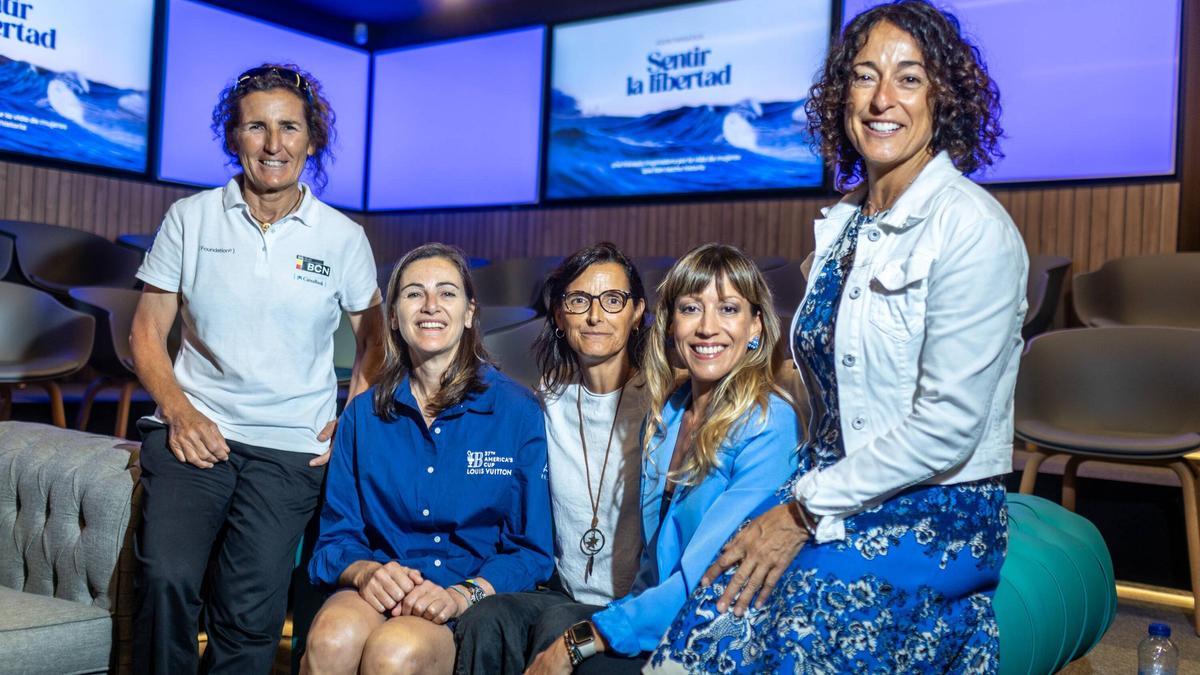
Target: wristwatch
<point>475,592</point>
<point>581,642</point>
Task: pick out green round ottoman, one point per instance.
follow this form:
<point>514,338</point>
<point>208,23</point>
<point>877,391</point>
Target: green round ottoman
<point>1056,595</point>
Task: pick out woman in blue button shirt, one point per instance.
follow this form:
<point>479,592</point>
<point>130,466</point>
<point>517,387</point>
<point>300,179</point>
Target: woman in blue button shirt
<point>436,494</point>
<point>716,443</point>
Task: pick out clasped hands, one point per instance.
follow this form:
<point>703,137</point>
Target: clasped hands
<point>396,590</point>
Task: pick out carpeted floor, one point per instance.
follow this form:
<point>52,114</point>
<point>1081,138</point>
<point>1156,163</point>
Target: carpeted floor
<point>1117,652</point>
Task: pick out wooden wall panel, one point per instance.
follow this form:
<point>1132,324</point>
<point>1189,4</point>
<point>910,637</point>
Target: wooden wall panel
<point>105,205</point>
<point>1087,223</point>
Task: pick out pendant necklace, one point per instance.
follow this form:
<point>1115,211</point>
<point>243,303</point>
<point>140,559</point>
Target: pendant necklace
<point>592,541</point>
<point>264,225</point>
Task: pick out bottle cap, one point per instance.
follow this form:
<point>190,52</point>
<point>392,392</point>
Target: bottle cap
<point>1160,630</point>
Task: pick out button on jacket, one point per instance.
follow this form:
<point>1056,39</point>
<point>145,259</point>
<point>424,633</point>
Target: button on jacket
<point>927,344</point>
<point>757,457</point>
<point>465,497</point>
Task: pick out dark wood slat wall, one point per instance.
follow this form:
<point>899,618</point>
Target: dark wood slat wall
<point>105,205</point>
<point>1089,224</point>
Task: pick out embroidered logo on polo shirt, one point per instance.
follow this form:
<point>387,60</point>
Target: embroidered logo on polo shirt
<point>312,265</point>
<point>488,463</point>
<point>210,249</point>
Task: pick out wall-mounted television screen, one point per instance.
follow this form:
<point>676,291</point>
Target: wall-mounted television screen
<point>1088,89</point>
<point>207,48</point>
<point>699,98</point>
<point>457,123</point>
<point>75,80</point>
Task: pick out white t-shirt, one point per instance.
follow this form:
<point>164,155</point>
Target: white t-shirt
<point>259,311</point>
<point>616,565</point>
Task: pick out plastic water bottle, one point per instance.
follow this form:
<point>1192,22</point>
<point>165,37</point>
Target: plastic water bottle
<point>1157,655</point>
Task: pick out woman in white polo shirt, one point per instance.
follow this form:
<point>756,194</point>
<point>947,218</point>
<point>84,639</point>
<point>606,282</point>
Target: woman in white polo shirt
<point>260,271</point>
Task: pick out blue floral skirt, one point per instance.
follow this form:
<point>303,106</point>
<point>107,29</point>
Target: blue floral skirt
<point>908,590</point>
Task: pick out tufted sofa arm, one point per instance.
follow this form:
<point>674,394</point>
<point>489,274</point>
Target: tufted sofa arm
<point>67,510</point>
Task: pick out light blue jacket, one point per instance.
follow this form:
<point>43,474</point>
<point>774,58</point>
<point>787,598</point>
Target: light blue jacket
<point>759,455</point>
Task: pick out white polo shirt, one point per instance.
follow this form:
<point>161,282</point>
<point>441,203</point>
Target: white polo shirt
<point>259,311</point>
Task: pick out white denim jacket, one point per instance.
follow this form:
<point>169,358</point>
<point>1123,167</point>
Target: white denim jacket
<point>927,344</point>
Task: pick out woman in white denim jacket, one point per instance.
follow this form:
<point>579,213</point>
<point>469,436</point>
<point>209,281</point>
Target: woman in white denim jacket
<point>884,551</point>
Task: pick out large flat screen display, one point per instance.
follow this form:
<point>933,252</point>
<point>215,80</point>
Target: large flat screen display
<point>1088,87</point>
<point>699,98</point>
<point>75,80</point>
<point>207,48</point>
<point>457,123</point>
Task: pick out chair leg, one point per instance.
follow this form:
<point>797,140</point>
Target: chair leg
<point>5,401</point>
<point>89,397</point>
<point>1029,474</point>
<point>1070,472</point>
<point>57,413</point>
<point>1192,524</point>
<point>123,407</point>
<point>1191,520</point>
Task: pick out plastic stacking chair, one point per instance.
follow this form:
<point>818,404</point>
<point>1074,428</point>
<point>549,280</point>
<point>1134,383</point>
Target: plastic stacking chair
<point>787,285</point>
<point>112,358</point>
<point>344,349</point>
<point>40,341</point>
<point>493,319</point>
<point>769,262</point>
<point>1120,395</point>
<point>515,281</point>
<point>651,279</point>
<point>138,242</point>
<point>1151,290</point>
<point>57,259</point>
<point>512,350</point>
<point>1043,291</point>
<point>6,255</point>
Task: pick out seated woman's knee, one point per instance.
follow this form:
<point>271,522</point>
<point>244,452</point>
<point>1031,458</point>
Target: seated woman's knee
<point>336,639</point>
<point>397,651</point>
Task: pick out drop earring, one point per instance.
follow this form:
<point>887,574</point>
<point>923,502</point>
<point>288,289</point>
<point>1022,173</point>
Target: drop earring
<point>753,344</point>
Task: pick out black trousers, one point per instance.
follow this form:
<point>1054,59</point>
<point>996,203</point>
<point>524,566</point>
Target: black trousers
<point>252,509</point>
<point>504,633</point>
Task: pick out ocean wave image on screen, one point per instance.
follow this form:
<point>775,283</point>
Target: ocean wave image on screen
<point>747,146</point>
<point>65,116</point>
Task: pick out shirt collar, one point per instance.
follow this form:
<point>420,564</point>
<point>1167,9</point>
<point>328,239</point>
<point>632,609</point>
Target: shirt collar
<point>483,402</point>
<point>912,207</point>
<point>305,213</point>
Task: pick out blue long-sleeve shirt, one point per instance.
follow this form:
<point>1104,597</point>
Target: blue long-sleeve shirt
<point>755,460</point>
<point>465,497</point>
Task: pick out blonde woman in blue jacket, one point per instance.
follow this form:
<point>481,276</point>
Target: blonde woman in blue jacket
<point>717,443</point>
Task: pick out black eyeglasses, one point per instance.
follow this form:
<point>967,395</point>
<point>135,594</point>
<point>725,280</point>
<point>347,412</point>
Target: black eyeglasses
<point>611,301</point>
<point>287,75</point>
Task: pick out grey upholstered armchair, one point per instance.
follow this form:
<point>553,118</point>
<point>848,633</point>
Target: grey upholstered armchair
<point>67,503</point>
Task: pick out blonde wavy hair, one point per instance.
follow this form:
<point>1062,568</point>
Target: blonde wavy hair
<point>750,382</point>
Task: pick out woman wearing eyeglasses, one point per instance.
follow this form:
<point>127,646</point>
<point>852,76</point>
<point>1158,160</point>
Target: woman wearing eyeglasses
<point>260,271</point>
<point>716,442</point>
<point>594,399</point>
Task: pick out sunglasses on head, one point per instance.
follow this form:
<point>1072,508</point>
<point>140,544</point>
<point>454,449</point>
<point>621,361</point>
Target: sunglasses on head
<point>287,75</point>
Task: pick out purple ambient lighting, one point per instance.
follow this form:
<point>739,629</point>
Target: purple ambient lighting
<point>1088,87</point>
<point>457,123</point>
<point>196,72</point>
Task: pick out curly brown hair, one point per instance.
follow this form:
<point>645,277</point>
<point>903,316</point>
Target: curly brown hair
<point>318,114</point>
<point>964,99</point>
